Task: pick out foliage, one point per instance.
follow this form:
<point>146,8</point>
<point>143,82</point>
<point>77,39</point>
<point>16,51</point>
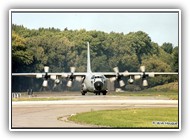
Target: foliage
<point>33,49</point>
<point>21,54</point>
<point>167,47</point>
<point>175,62</point>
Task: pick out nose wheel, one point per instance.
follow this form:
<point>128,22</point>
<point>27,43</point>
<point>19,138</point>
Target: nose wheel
<point>103,93</point>
<point>83,92</point>
<point>97,93</point>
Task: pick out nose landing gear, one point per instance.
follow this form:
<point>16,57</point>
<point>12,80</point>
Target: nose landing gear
<point>83,92</point>
<point>98,92</point>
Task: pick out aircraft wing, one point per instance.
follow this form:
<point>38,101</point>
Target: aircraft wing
<point>108,74</point>
<point>112,74</point>
<point>54,76</point>
<point>136,75</point>
<point>27,74</point>
<point>40,75</point>
<point>150,73</point>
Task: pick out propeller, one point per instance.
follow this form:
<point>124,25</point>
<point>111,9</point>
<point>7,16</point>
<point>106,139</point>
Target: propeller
<point>118,76</point>
<point>144,76</point>
<point>46,77</point>
<point>46,70</point>
<point>71,77</point>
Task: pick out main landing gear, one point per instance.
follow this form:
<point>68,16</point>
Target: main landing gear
<point>97,92</point>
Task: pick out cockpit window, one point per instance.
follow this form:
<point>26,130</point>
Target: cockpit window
<point>98,77</point>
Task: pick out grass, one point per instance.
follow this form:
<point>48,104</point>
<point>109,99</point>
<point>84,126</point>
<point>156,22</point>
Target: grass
<point>166,87</point>
<point>169,94</point>
<point>169,91</point>
<point>130,118</point>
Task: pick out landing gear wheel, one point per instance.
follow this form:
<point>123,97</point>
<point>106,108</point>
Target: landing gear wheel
<point>83,93</point>
<point>104,93</point>
<point>97,93</point>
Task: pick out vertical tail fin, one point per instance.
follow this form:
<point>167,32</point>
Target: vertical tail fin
<point>88,59</point>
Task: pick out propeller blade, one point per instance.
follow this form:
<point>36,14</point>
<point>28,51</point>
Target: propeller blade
<point>64,75</point>
<point>39,76</point>
<point>72,69</point>
<point>53,77</point>
<point>79,78</point>
<point>126,73</point>
<point>69,83</point>
<point>121,83</point>
<point>45,83</point>
<point>145,83</point>
<point>151,74</point>
<point>46,69</point>
<point>112,79</point>
<point>137,77</point>
<point>142,68</point>
<point>116,69</point>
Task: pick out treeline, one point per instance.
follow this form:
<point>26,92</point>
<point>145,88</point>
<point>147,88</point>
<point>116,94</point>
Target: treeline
<point>33,49</point>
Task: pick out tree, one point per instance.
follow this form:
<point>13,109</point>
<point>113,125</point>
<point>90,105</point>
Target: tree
<point>21,55</point>
<point>167,47</point>
<point>175,55</point>
<point>141,43</point>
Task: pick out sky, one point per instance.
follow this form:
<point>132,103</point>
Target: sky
<point>161,27</point>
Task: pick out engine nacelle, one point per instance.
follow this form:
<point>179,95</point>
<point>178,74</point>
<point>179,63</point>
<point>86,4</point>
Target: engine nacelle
<point>130,81</point>
<point>57,81</point>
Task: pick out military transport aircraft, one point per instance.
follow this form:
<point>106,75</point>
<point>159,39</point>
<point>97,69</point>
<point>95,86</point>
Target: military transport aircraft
<point>95,82</point>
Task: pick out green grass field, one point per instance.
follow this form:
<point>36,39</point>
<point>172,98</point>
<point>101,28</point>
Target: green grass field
<point>169,91</point>
<point>169,94</point>
<point>131,118</point>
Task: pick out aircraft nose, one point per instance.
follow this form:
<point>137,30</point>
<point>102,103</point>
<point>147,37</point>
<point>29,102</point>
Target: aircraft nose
<point>98,85</point>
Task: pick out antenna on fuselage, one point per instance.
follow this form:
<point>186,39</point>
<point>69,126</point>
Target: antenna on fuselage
<point>88,58</point>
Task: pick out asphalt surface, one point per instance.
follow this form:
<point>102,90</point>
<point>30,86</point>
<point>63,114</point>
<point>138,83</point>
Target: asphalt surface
<point>54,114</point>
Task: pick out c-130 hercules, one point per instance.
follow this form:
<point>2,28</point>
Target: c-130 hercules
<point>95,82</point>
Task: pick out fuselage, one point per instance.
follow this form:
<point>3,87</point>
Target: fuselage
<point>94,82</point>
